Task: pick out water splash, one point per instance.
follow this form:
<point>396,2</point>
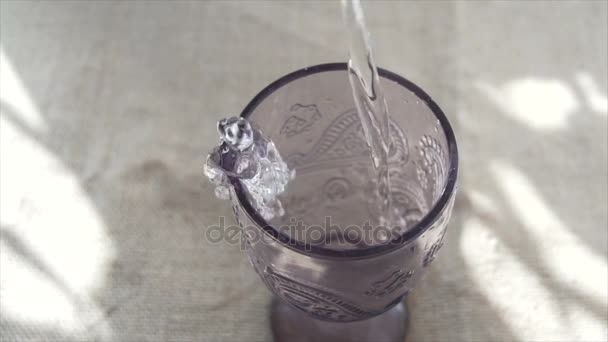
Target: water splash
<point>245,153</point>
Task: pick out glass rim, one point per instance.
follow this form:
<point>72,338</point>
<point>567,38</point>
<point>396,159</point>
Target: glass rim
<point>409,235</point>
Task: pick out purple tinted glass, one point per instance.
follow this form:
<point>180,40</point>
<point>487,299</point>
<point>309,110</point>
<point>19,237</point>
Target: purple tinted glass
<point>311,117</point>
<point>333,283</point>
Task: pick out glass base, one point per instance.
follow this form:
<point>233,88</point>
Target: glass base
<point>293,325</point>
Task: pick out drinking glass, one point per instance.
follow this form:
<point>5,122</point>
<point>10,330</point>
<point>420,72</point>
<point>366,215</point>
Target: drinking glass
<point>334,277</point>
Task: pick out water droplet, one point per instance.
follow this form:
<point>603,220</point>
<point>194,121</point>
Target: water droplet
<point>383,236</point>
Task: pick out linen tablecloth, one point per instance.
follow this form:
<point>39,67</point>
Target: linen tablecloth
<point>108,109</point>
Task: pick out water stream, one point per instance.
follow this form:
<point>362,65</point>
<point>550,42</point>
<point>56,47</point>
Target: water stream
<point>370,102</point>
